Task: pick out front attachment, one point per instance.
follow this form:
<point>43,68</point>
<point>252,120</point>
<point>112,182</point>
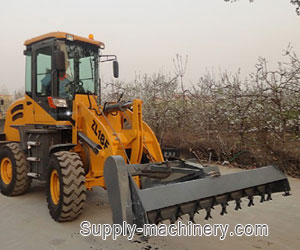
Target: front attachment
<point>170,190</point>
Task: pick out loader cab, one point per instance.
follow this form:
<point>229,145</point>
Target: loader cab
<point>59,66</point>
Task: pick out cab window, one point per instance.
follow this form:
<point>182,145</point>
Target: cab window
<point>43,72</point>
<point>28,73</point>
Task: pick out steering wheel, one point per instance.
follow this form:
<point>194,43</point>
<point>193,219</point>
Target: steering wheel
<point>71,87</point>
<point>79,88</point>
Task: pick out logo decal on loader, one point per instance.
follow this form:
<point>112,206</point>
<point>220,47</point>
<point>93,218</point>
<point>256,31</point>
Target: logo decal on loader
<point>101,137</point>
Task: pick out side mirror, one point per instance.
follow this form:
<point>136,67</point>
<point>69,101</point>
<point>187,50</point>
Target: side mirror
<point>59,60</point>
<point>116,69</point>
<point>1,102</point>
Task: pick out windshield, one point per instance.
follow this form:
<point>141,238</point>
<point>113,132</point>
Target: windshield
<point>81,74</point>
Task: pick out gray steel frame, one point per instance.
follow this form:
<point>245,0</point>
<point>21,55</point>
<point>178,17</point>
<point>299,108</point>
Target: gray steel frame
<point>140,206</point>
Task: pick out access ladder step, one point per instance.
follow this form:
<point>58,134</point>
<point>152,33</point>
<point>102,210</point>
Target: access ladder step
<point>33,143</point>
<point>34,159</point>
<point>33,175</point>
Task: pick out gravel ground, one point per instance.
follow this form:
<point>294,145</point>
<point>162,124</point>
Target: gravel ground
<point>26,224</point>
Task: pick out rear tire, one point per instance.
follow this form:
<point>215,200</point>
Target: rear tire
<point>13,170</point>
<point>66,191</point>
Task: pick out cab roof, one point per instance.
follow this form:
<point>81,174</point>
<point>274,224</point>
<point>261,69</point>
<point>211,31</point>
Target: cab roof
<point>63,35</point>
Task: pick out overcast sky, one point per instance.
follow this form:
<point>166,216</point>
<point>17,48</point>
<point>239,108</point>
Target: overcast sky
<point>146,35</point>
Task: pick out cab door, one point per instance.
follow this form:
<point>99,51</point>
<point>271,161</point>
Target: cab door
<point>43,82</point>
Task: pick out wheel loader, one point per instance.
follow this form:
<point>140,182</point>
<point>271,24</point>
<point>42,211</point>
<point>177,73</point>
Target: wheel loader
<point>63,134</point>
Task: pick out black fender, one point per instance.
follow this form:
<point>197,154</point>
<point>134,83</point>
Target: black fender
<point>61,147</point>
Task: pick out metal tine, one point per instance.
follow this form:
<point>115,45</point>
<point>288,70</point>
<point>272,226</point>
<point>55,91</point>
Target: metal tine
<point>206,204</point>
<point>168,213</point>
<point>224,211</point>
<point>158,218</point>
<point>173,220</point>
<point>179,212</point>
<point>222,200</point>
<point>214,203</point>
<point>237,195</point>
<point>208,214</point>
<point>190,208</point>
<point>261,191</point>
<point>269,193</point>
<point>238,204</point>
<point>192,214</point>
<point>262,199</point>
<point>250,192</point>
<point>191,217</point>
<point>251,203</point>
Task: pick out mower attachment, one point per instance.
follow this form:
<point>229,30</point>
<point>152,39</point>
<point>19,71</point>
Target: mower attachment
<point>172,189</point>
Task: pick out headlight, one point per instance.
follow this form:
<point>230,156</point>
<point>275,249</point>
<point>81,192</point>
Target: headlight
<point>57,102</point>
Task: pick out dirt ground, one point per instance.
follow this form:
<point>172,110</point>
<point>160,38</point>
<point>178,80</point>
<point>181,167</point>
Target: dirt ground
<point>26,224</point>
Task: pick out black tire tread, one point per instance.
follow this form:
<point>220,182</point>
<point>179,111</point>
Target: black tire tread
<point>22,181</point>
<point>74,190</point>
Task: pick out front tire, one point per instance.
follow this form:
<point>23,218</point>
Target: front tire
<point>13,170</point>
<point>66,191</point>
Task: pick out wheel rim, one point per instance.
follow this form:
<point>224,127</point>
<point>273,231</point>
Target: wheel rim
<point>6,170</point>
<point>54,187</point>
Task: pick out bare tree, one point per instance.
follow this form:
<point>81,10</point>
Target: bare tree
<point>254,121</point>
<point>294,2</point>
